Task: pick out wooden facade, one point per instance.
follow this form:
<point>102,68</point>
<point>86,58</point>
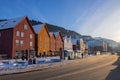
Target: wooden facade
<point>52,42</point>
<point>42,40</point>
<point>17,38</point>
<point>59,43</point>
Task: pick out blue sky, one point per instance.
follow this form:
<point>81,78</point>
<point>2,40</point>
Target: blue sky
<point>87,17</point>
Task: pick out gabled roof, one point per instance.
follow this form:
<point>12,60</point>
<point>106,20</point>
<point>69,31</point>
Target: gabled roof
<point>58,34</point>
<point>10,23</point>
<point>37,27</point>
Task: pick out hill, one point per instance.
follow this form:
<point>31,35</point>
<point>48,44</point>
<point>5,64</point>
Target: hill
<point>111,43</point>
<point>55,28</point>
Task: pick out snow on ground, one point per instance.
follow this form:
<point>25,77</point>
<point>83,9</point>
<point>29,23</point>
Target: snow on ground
<point>18,66</point>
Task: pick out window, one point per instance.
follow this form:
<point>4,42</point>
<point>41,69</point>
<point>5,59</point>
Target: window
<point>30,43</point>
<point>22,34</point>
<point>40,38</point>
<point>17,33</point>
<point>21,42</point>
<point>25,27</point>
<point>47,39</point>
<point>31,36</point>
<point>40,45</point>
<point>17,42</point>
<point>46,46</point>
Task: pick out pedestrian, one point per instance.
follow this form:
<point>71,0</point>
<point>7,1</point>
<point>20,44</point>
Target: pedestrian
<point>34,60</point>
<point>30,61</point>
<point>82,55</point>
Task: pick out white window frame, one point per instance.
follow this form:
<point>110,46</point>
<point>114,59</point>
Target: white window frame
<point>31,36</point>
<point>22,34</point>
<point>17,41</point>
<point>17,33</point>
<point>31,43</point>
<point>25,27</point>
<point>21,42</point>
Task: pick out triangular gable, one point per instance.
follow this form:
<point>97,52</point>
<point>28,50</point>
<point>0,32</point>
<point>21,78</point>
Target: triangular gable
<point>47,29</point>
<point>37,28</point>
<point>29,24</point>
<point>60,36</point>
<point>52,34</point>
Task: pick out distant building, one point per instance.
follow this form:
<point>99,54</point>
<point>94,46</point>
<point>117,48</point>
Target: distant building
<point>68,43</point>
<point>17,38</point>
<point>82,46</point>
<point>96,45</point>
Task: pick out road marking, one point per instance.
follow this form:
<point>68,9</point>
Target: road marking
<point>76,72</point>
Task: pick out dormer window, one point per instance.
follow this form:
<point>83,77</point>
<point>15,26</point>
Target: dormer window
<point>25,27</point>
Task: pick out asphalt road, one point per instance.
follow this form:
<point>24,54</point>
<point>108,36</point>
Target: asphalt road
<point>104,67</point>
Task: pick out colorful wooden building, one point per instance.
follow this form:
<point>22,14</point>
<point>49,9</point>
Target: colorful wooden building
<point>42,40</point>
<point>52,43</point>
<point>17,38</point>
<point>59,43</point>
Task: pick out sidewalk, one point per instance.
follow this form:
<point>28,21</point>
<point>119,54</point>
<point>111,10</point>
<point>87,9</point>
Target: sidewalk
<point>37,67</point>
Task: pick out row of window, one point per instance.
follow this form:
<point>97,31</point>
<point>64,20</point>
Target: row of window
<point>21,34</point>
<point>46,45</point>
<point>46,39</point>
<point>21,42</point>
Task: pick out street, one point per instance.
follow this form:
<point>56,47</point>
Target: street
<point>103,67</point>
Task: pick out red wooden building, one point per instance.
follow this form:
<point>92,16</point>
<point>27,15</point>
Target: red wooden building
<point>17,38</point>
<point>52,43</point>
<point>59,43</point>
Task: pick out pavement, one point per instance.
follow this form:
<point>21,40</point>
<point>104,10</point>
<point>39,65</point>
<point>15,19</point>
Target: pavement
<point>102,67</point>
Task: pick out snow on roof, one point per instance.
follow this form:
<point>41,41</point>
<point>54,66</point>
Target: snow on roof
<point>37,27</point>
<point>51,33</point>
<point>10,23</point>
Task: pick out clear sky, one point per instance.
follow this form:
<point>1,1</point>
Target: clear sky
<point>98,18</point>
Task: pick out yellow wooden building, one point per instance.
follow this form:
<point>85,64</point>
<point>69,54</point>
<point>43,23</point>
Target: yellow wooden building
<point>42,40</point>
